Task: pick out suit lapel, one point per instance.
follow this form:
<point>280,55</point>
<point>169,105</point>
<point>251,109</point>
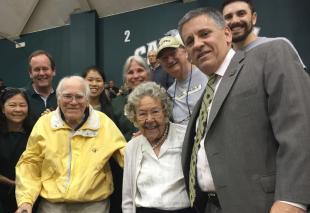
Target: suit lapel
<point>189,140</point>
<point>226,83</point>
<point>223,90</point>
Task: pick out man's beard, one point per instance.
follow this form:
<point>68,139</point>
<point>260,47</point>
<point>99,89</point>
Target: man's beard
<point>248,27</point>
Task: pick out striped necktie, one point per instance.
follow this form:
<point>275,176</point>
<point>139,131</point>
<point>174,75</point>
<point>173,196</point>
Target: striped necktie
<point>202,123</point>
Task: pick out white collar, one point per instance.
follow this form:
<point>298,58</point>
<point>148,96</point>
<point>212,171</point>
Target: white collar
<point>222,69</point>
<point>92,123</point>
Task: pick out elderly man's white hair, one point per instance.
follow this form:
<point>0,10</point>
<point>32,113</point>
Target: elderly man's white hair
<point>59,88</point>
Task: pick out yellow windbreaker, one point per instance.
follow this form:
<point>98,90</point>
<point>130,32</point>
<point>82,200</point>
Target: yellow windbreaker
<point>63,165</point>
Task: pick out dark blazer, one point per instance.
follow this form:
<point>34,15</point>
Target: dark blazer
<point>258,136</point>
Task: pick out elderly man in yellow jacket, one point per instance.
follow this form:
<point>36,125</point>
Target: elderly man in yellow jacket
<point>66,159</point>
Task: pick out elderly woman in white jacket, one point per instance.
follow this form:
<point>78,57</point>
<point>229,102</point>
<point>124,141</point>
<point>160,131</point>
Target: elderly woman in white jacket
<point>153,179</point>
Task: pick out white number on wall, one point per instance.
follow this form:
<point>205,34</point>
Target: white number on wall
<point>127,34</point>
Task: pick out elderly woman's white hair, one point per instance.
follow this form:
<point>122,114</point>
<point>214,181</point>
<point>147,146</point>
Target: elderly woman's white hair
<point>139,60</point>
<point>152,90</point>
<point>59,88</point>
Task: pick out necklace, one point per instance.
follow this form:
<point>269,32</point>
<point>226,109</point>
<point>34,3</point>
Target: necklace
<point>162,139</point>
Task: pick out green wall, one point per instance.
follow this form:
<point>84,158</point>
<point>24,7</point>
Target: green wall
<point>124,33</point>
<point>107,43</point>
<point>14,68</point>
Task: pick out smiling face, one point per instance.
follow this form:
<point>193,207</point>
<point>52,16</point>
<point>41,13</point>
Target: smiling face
<point>151,118</point>
<point>95,82</point>
<point>206,42</point>
<point>240,19</point>
<point>174,61</point>
<point>41,72</point>
<point>15,110</point>
<point>135,75</point>
<point>152,57</point>
<point>73,101</point>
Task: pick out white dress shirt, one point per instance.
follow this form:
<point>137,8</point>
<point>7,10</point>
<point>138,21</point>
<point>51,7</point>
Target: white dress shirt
<point>204,177</point>
<point>155,181</point>
<point>160,181</point>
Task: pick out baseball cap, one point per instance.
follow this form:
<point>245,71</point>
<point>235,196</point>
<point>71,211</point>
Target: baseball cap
<point>168,42</point>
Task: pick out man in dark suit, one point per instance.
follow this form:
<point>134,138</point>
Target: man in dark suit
<point>254,153</point>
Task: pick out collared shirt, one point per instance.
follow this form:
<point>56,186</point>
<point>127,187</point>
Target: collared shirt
<point>160,182</point>
<point>38,104</point>
<point>204,177</point>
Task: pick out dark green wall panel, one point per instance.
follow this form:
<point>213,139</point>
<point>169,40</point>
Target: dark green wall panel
<point>14,68</point>
<point>108,47</point>
<point>125,32</point>
<point>83,41</point>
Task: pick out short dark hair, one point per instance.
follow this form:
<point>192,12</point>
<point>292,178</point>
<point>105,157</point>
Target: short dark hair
<point>249,2</point>
<point>104,99</point>
<point>96,69</point>
<point>41,52</point>
<point>208,11</point>
<point>7,94</point>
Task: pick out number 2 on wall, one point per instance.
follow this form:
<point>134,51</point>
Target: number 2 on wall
<point>127,34</point>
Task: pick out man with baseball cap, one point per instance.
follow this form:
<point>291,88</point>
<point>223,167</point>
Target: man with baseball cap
<point>189,82</point>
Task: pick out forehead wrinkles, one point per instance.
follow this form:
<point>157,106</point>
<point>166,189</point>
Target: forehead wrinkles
<point>197,23</point>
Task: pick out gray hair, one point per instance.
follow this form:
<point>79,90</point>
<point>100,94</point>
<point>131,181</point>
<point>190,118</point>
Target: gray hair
<point>60,88</point>
<point>139,60</point>
<point>152,90</point>
<point>208,11</point>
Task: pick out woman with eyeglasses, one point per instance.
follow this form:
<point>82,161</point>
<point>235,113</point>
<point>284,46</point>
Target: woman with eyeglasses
<point>15,127</point>
<point>153,179</point>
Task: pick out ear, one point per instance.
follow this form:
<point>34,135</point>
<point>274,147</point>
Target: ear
<point>2,110</point>
<point>228,34</point>
<point>30,74</point>
<point>189,58</point>
<point>254,18</point>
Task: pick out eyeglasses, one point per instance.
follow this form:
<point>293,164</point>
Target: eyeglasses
<point>70,97</point>
<point>154,113</point>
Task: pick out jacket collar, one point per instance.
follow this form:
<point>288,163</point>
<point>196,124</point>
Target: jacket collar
<point>88,129</point>
<point>228,80</point>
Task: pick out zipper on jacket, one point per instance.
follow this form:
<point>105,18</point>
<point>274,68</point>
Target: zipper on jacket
<point>69,161</point>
